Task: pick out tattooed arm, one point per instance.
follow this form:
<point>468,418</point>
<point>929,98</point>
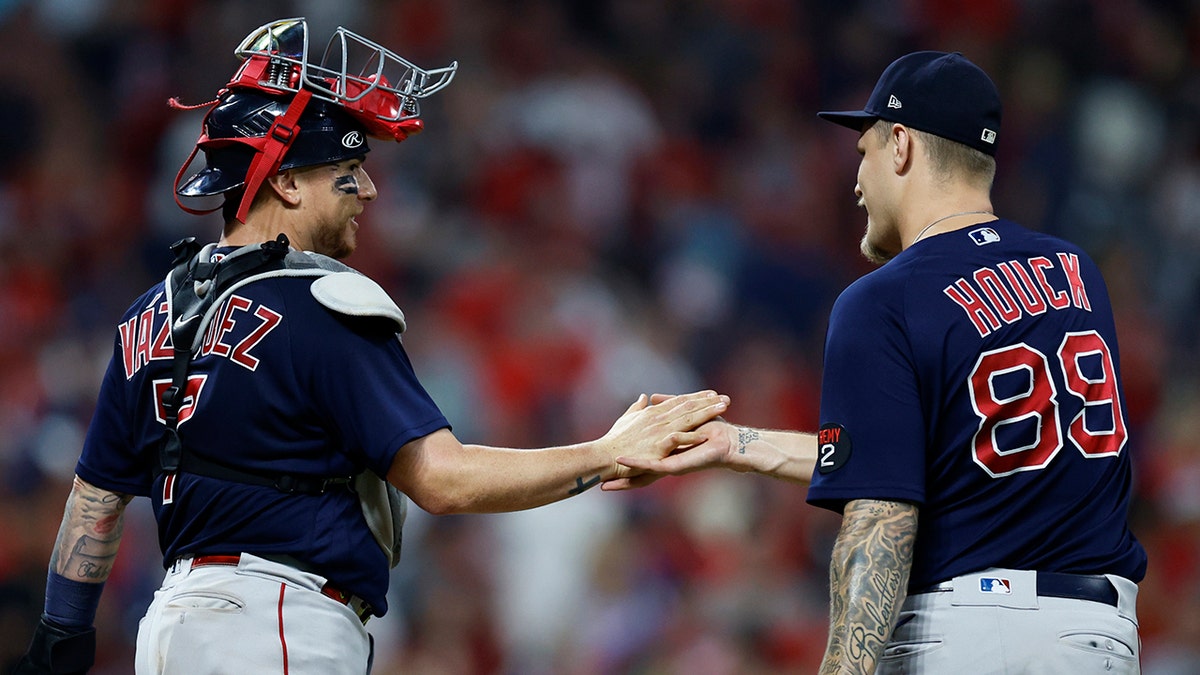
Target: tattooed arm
<point>868,578</point>
<point>787,455</point>
<point>90,533</point>
<point>65,640</point>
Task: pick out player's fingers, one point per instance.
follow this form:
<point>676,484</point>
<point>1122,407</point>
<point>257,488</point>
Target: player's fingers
<point>641,402</point>
<point>617,485</point>
<point>639,463</point>
<point>671,464</point>
<point>692,410</point>
<point>690,459</point>
<point>683,439</point>
<point>629,483</point>
<point>675,400</point>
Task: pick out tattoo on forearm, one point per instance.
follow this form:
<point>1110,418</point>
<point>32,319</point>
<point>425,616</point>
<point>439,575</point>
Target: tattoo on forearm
<point>581,486</point>
<point>91,558</point>
<point>868,577</point>
<point>746,437</point>
<point>90,534</point>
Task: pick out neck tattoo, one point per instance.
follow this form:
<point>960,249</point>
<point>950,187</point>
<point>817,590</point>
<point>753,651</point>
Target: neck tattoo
<point>952,215</point>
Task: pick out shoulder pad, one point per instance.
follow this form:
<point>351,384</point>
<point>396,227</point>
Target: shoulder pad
<point>354,294</point>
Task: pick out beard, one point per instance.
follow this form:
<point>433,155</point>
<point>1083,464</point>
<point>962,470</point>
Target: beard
<point>334,240</point>
<point>871,249</point>
<point>877,249</point>
<point>872,252</point>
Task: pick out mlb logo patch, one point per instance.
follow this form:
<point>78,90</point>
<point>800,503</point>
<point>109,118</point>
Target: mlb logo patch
<point>984,235</point>
<point>995,585</point>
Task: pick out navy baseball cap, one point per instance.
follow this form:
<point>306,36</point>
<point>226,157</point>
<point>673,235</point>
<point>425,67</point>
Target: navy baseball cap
<point>936,92</point>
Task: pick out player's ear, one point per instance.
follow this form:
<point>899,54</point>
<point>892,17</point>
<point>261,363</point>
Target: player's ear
<point>901,145</point>
<point>285,185</point>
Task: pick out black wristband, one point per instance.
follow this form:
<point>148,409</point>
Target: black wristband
<point>55,650</point>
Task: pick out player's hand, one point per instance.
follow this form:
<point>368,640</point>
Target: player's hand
<point>654,427</point>
<point>714,450</point>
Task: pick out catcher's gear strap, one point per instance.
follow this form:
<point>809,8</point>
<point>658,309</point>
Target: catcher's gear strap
<point>278,139</point>
<point>196,288</point>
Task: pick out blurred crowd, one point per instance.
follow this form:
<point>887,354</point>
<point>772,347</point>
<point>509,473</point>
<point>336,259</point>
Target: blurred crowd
<point>613,197</point>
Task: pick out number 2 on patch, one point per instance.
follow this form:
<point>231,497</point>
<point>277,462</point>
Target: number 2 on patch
<point>827,455</point>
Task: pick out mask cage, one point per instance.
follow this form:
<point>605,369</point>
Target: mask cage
<point>370,81</point>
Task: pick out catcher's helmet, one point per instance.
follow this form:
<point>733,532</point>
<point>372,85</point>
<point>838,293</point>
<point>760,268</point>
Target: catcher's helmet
<point>242,116</point>
<point>280,111</point>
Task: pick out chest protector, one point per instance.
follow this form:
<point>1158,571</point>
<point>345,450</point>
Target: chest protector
<point>195,289</point>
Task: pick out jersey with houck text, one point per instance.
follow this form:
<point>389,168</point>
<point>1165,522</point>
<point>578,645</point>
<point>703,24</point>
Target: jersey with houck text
<point>977,376</point>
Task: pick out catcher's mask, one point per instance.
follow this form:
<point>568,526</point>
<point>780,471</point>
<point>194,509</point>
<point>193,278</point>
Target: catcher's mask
<point>280,111</point>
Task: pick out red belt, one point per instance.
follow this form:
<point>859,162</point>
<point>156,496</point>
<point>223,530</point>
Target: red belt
<point>355,603</point>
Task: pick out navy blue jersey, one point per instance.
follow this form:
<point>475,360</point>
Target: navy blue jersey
<point>282,385</point>
<point>977,376</point>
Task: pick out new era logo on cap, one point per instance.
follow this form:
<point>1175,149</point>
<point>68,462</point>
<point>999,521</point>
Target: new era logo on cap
<point>894,102</point>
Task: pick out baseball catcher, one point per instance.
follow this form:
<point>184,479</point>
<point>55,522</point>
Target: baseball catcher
<point>261,398</point>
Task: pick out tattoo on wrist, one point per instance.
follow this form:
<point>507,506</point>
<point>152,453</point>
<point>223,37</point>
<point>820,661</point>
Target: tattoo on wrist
<point>746,436</point>
<point>581,486</point>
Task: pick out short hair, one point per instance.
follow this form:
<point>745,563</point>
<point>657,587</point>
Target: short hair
<point>948,158</point>
<point>951,158</point>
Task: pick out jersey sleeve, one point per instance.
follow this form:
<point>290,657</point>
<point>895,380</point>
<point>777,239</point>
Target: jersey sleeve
<point>872,438</point>
<point>110,459</point>
<point>361,375</point>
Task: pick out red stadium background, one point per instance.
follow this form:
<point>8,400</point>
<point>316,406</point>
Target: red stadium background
<point>613,197</point>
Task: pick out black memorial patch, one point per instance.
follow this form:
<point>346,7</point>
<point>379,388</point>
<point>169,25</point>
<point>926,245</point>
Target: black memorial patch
<point>833,447</point>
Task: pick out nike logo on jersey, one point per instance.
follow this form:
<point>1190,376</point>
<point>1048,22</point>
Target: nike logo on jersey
<point>992,297</point>
<point>180,323</point>
<point>236,328</point>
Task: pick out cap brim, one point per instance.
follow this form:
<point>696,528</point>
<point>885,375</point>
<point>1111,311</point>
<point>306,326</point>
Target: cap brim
<point>851,119</point>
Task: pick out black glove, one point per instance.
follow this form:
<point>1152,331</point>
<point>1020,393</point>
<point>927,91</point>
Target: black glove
<point>58,651</point>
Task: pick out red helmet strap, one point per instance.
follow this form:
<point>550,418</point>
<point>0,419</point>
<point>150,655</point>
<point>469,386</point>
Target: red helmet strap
<point>277,140</point>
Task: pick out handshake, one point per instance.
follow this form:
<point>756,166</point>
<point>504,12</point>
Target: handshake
<point>663,435</point>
